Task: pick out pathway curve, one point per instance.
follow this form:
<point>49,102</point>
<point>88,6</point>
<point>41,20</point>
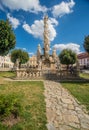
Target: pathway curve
<point>63,111</point>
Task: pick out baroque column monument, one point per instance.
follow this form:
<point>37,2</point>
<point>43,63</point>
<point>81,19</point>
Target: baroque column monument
<point>46,61</point>
<point>46,38</point>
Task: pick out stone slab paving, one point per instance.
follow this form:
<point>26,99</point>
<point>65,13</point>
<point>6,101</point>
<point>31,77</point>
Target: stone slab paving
<point>63,111</point>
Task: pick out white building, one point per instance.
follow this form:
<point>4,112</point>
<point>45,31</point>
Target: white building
<point>5,63</point>
<point>83,60</point>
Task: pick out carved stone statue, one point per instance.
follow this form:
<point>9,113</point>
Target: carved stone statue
<point>17,63</point>
<point>54,54</point>
<point>39,48</point>
<point>38,52</point>
<point>40,64</point>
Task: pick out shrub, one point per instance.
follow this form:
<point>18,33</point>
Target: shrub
<point>10,104</point>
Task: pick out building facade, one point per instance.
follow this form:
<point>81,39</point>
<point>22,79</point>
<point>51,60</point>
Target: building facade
<point>5,63</point>
<point>33,62</point>
<point>83,59</point>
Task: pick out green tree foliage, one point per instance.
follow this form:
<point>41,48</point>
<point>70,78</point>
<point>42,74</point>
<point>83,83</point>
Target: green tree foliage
<point>67,57</point>
<point>21,55</point>
<point>86,43</point>
<point>7,37</point>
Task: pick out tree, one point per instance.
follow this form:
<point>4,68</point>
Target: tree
<point>21,55</point>
<point>86,43</point>
<point>67,57</point>
<point>7,37</point>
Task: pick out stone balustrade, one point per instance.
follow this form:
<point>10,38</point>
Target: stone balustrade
<point>28,74</point>
<point>47,74</point>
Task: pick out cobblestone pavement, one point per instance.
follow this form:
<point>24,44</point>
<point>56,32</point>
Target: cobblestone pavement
<point>63,111</point>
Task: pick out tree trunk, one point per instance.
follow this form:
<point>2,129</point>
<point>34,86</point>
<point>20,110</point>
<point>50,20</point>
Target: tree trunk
<point>19,65</point>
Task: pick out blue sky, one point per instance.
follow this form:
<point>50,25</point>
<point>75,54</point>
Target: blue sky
<point>68,22</point>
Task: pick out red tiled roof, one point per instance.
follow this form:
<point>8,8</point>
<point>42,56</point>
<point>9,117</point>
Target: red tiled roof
<point>83,55</point>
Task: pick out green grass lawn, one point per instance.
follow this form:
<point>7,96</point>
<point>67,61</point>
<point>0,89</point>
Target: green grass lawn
<point>79,91</point>
<point>7,74</point>
<point>33,116</point>
<point>84,75</point>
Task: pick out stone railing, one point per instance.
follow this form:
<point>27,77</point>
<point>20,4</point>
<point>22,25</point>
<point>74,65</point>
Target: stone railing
<point>67,74</point>
<point>44,74</point>
<point>24,74</point>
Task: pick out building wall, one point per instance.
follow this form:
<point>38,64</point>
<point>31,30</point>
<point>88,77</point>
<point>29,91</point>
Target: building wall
<point>33,61</point>
<point>5,63</point>
<point>83,59</point>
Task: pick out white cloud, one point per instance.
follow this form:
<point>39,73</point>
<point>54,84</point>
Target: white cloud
<point>73,46</point>
<point>24,49</point>
<point>63,8</point>
<point>37,28</point>
<point>31,53</point>
<point>26,5</point>
<point>21,48</point>
<point>53,21</point>
<point>14,22</point>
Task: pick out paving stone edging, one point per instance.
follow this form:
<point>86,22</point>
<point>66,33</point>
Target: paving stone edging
<point>63,111</point>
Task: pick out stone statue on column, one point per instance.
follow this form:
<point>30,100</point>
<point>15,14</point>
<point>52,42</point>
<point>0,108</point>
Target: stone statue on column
<point>38,57</point>
<point>17,64</point>
<point>54,54</point>
<point>39,64</point>
<point>38,52</point>
<point>46,38</point>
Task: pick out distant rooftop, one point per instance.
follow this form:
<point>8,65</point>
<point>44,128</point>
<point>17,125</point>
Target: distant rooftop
<point>83,55</point>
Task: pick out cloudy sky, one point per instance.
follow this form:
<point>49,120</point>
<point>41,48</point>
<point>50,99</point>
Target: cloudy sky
<point>68,22</point>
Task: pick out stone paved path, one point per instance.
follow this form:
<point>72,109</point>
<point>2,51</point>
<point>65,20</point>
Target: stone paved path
<point>63,112</point>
